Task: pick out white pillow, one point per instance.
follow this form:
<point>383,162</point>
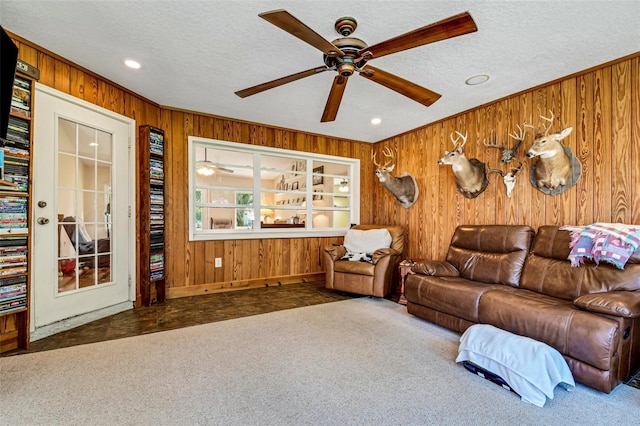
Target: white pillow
<point>366,241</point>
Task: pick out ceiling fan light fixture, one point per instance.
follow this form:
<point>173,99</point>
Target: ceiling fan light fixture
<point>475,80</point>
<point>204,170</point>
<point>344,186</point>
<point>346,69</point>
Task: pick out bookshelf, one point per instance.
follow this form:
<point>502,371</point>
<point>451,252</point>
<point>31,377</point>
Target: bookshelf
<point>151,213</point>
<point>15,211</point>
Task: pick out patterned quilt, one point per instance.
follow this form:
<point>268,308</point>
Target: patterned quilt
<point>613,243</point>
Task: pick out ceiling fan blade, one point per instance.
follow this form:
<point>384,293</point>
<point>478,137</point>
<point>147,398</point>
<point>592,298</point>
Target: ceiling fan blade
<point>335,96</point>
<point>286,21</point>
<point>447,28</point>
<point>223,169</point>
<point>280,81</point>
<point>411,90</point>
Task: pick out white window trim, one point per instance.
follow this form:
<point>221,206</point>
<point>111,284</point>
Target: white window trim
<point>256,232</point>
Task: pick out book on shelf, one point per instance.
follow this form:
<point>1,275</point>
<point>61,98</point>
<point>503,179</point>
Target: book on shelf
<point>17,133</point>
<point>13,305</point>
<point>9,243</point>
<point>14,169</point>
<point>21,97</point>
<point>13,291</point>
<point>13,212</point>
<point>13,270</point>
<point>156,143</point>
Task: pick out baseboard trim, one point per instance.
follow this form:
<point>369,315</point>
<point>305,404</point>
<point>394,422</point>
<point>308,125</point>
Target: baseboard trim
<point>73,322</point>
<point>220,287</point>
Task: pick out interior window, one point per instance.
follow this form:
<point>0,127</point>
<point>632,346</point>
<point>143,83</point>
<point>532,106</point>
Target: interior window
<point>298,192</point>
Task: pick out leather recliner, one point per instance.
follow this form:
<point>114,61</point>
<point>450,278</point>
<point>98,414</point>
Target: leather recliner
<point>370,279</point>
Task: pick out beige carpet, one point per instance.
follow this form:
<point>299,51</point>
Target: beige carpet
<point>356,362</point>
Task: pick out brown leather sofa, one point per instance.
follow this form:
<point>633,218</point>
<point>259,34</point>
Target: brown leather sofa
<point>371,279</point>
<point>508,277</point>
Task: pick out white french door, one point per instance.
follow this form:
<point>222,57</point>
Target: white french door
<point>82,184</point>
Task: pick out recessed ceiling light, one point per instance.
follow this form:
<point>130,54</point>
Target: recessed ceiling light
<point>477,79</point>
<point>132,64</point>
<point>376,121</point>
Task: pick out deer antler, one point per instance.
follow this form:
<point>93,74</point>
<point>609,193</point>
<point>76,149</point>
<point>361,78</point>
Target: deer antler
<point>519,136</point>
<point>549,120</point>
<point>500,172</point>
<point>515,171</point>
<point>546,128</point>
<point>456,140</point>
<point>493,145</point>
<point>387,153</point>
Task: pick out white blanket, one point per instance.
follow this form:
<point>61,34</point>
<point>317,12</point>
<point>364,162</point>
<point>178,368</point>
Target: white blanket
<point>533,369</point>
<point>366,241</point>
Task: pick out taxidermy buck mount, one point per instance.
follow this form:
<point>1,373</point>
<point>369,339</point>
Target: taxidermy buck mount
<point>509,179</point>
<point>553,169</point>
<point>348,55</point>
<point>471,176</point>
<point>404,188</point>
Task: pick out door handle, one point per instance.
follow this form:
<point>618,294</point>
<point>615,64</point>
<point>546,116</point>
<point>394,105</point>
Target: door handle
<point>43,220</point>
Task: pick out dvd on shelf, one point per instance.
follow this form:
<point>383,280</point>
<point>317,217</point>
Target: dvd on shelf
<point>13,293</point>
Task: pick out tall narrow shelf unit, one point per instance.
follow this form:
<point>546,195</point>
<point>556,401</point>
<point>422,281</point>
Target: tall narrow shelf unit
<point>151,210</point>
<point>15,213</point>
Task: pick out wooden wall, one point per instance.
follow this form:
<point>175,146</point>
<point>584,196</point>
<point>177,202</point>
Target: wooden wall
<point>602,105</point>
<point>246,263</point>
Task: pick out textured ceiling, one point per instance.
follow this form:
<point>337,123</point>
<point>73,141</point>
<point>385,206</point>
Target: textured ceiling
<point>196,54</point>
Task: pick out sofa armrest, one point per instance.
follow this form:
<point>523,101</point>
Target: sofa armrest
<point>617,303</point>
<point>383,252</point>
<point>335,252</point>
<point>435,268</point>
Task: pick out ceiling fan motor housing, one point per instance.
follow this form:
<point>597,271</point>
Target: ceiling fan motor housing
<point>346,64</point>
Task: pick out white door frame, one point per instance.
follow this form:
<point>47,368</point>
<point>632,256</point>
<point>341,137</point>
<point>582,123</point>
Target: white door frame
<point>92,316</point>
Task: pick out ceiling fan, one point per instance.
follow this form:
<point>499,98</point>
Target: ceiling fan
<point>207,168</point>
<point>347,55</point>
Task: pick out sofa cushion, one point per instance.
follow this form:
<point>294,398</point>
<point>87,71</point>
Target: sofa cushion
<point>452,295</point>
<point>359,268</point>
<point>548,271</point>
<point>585,336</point>
<point>493,254</point>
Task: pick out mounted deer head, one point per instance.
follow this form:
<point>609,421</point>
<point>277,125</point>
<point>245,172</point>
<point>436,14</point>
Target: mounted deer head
<point>471,177</point>
<point>507,154</point>
<point>553,167</point>
<point>403,188</point>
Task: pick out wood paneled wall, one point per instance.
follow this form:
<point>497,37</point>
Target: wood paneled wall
<point>603,107</point>
<point>246,263</point>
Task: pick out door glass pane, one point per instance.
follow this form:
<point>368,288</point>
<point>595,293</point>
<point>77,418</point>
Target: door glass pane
<point>103,150</point>
<point>66,136</point>
<point>84,204</point>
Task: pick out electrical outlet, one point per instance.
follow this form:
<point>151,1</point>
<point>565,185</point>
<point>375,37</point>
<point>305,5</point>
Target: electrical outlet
<point>218,263</point>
